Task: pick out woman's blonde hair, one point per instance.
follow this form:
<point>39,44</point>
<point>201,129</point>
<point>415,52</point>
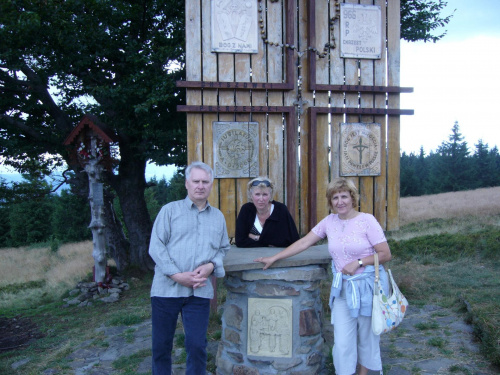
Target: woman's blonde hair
<point>260,182</point>
<point>341,184</point>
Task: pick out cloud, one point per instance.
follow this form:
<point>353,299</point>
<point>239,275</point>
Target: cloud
<point>453,81</point>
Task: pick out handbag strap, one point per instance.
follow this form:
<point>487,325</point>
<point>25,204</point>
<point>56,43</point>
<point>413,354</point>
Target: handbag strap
<point>375,264</point>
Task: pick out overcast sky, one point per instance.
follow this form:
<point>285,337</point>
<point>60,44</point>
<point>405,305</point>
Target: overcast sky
<point>455,79</point>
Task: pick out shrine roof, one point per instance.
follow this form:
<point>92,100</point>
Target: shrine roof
<point>93,123</point>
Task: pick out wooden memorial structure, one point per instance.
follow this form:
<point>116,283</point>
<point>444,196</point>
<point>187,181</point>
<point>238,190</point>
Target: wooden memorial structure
<point>88,144</point>
<point>317,83</point>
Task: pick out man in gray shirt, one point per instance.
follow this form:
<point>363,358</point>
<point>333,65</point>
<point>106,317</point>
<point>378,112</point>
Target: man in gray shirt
<point>188,243</point>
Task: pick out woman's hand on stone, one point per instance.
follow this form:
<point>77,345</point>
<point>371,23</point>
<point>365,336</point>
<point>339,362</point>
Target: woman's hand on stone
<point>268,261</point>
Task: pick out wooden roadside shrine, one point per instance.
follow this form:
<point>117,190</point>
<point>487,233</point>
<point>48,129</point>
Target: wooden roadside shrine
<point>89,145</point>
<point>302,86</point>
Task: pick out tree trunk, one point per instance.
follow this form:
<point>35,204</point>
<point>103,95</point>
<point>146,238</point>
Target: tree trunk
<point>130,185</point>
<point>118,246</point>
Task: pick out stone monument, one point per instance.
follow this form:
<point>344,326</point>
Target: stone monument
<point>273,319</point>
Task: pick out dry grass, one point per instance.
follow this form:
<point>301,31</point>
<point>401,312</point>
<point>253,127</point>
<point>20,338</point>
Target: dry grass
<point>59,270</point>
<point>479,202</point>
<point>20,265</point>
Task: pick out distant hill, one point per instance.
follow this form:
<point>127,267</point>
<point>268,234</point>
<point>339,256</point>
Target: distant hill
<point>17,177</point>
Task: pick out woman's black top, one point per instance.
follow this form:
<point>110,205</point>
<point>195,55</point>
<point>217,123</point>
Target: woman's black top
<point>279,229</point>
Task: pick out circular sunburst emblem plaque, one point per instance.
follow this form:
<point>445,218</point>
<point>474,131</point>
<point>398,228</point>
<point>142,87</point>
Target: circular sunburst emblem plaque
<point>235,149</point>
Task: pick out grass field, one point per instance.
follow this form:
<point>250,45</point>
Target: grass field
<point>447,252</point>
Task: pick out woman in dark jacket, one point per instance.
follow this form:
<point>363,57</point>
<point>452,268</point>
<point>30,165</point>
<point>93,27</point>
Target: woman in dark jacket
<point>262,221</point>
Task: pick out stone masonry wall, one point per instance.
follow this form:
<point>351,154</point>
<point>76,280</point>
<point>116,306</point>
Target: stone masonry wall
<point>301,286</point>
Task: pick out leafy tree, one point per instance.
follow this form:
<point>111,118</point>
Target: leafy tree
<point>4,227</point>
<point>29,218</point>
<point>116,59</point>
<point>4,215</point>
<point>496,155</point>
<point>419,18</point>
<point>70,217</point>
<point>414,174</point>
<point>30,222</point>
<point>153,206</point>
<point>162,192</point>
<point>451,169</point>
<point>422,172</point>
<point>409,181</point>
<point>175,190</point>
<point>486,172</point>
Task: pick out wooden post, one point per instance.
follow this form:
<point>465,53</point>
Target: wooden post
<point>94,169</point>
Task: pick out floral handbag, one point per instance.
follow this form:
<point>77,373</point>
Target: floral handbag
<point>387,311</point>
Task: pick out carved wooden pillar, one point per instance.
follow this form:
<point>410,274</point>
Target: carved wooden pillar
<point>94,170</point>
<point>89,146</point>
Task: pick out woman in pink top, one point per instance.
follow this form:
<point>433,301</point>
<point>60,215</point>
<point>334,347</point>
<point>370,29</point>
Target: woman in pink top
<point>353,238</point>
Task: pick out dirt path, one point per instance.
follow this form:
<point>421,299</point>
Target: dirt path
<point>431,340</point>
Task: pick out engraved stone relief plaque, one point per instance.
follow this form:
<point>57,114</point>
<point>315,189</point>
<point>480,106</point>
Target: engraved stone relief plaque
<point>269,327</point>
<point>235,27</point>
<point>360,31</point>
<point>360,149</point>
<point>236,149</point>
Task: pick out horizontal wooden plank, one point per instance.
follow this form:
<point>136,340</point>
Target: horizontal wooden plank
<point>287,86</point>
<point>236,85</point>
<point>289,109</point>
<point>363,88</point>
<point>233,109</point>
<point>362,111</point>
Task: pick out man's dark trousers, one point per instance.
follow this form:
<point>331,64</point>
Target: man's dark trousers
<point>195,313</point>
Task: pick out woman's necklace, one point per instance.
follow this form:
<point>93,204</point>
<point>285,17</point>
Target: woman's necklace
<point>345,221</point>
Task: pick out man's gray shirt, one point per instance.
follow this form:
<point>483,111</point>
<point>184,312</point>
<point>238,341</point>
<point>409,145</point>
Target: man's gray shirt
<point>182,239</point>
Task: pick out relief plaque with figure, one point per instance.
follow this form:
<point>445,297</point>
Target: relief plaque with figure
<point>269,327</point>
<point>234,26</point>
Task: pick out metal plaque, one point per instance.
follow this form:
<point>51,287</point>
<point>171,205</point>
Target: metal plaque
<point>360,149</point>
<point>235,26</point>
<point>97,193</point>
<point>236,149</point>
<point>269,327</point>
<point>360,31</point>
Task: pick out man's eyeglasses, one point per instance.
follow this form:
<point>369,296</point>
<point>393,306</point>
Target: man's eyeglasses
<point>258,182</point>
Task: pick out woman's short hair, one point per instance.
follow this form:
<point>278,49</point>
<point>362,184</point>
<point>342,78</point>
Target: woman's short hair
<point>341,184</point>
<point>260,182</point>
<point>202,166</point>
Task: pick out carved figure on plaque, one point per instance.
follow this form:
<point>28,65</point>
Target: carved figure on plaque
<point>236,149</point>
<point>234,26</point>
<point>360,149</point>
<point>269,327</point>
